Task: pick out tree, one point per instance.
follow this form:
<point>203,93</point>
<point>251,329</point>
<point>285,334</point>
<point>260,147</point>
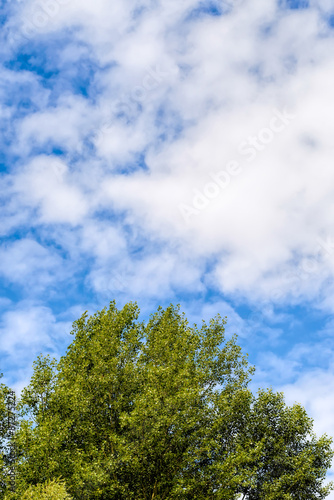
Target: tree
<point>293,462</point>
<point>7,427</point>
<point>51,490</point>
<point>160,411</point>
<point>3,435</point>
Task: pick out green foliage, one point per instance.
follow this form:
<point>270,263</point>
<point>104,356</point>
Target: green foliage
<point>293,462</point>
<point>4,438</point>
<point>51,490</point>
<point>35,398</point>
<point>3,432</point>
<point>162,411</point>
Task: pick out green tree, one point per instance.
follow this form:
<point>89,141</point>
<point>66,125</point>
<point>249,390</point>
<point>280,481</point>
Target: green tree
<point>51,490</point>
<point>3,435</point>
<point>5,441</point>
<point>293,462</point>
<point>159,411</point>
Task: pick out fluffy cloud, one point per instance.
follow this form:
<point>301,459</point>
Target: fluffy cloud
<point>27,330</point>
<point>43,184</point>
<point>29,264</point>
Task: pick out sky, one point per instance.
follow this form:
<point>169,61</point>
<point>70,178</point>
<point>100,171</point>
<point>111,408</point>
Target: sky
<point>172,151</point>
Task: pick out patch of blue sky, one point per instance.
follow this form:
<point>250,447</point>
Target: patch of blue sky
<point>16,234</point>
<point>140,243</point>
<point>46,236</point>
<point>68,279</point>
<point>34,59</point>
<point>84,155</point>
<point>125,111</point>
<point>19,87</point>
<point>22,99</point>
<point>210,8</point>
<point>10,158</point>
<point>20,104</point>
<point>78,290</point>
<point>84,78</point>
<point>81,77</point>
<point>294,4</point>
<point>111,217</point>
<point>62,307</point>
<point>3,19</point>
<point>12,291</point>
<point>58,151</point>
<point>43,59</point>
<point>138,163</point>
<point>46,148</point>
<point>6,6</point>
<point>300,324</point>
<point>141,246</point>
<point>330,20</point>
<point>107,214</point>
<point>8,161</point>
<point>36,234</point>
<point>140,10</point>
<point>169,124</point>
<point>3,159</point>
<point>167,136</point>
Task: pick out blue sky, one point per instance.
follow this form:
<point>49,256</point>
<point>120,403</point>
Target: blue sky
<point>171,151</point>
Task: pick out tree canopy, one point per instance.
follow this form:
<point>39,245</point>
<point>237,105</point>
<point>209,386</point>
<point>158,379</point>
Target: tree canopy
<point>162,410</point>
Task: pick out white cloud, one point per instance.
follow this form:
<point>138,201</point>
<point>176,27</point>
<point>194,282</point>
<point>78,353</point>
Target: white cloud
<point>62,126</point>
<point>30,265</point>
<point>150,277</point>
<point>102,240</point>
<point>26,331</point>
<point>43,184</point>
<point>314,390</point>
